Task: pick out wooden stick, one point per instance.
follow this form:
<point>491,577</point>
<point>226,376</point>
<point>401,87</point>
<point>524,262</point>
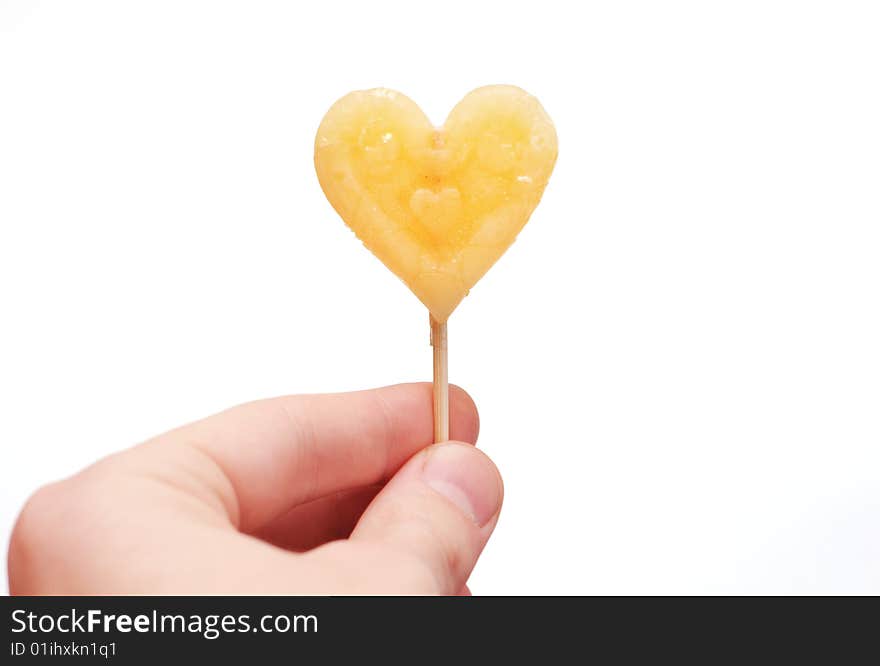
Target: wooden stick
<point>441,381</point>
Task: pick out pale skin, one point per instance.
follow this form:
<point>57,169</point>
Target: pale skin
<point>314,494</point>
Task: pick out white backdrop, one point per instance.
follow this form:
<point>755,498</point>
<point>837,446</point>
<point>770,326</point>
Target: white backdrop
<point>677,365</point>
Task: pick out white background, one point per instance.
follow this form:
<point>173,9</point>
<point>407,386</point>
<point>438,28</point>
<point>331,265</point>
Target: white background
<point>677,364</point>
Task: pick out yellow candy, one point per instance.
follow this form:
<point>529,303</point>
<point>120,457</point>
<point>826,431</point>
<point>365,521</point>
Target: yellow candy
<point>437,205</point>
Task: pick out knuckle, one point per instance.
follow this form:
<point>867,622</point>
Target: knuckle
<point>40,512</point>
<point>378,568</point>
<point>56,512</point>
<point>34,536</point>
<point>418,576</point>
<point>430,558</point>
<point>49,532</point>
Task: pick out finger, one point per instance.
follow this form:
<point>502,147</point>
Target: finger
<point>265,457</point>
<point>315,523</point>
<point>329,518</point>
<point>437,514</point>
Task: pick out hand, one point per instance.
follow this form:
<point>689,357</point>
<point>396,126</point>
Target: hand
<point>323,494</point>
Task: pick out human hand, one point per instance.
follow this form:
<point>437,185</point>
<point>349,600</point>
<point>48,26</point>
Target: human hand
<point>316,494</point>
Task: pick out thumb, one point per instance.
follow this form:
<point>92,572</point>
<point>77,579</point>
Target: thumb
<point>440,509</point>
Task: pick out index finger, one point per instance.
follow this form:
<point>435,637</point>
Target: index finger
<point>282,452</point>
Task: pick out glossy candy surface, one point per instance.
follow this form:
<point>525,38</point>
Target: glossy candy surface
<point>437,205</point>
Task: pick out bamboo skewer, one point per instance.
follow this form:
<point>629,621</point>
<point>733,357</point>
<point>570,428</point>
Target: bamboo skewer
<point>441,381</point>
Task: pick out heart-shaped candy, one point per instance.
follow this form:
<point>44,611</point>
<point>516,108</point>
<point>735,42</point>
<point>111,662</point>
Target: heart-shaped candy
<point>437,205</point>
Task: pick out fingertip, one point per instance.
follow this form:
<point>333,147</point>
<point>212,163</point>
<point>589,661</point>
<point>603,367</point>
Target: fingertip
<point>440,509</point>
<point>464,416</point>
